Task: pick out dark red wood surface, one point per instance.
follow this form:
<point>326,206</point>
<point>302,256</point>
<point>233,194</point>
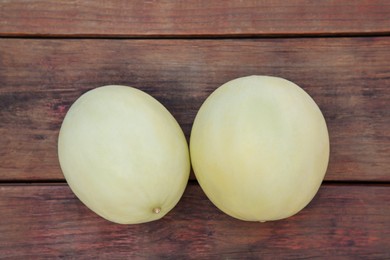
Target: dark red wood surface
<point>342,221</point>
<point>193,18</point>
<point>338,51</point>
<point>40,79</point>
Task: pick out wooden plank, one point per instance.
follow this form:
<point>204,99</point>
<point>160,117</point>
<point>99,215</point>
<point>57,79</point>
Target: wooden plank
<point>49,222</point>
<point>348,77</point>
<point>192,18</point>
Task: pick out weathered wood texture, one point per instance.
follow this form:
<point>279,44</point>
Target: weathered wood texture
<point>192,18</point>
<point>348,77</point>
<point>40,78</point>
<point>342,221</point>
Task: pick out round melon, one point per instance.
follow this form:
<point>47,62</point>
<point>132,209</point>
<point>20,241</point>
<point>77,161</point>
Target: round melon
<point>259,148</point>
<point>123,154</point>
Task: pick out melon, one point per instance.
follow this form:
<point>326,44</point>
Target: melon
<point>259,148</point>
<point>123,154</point>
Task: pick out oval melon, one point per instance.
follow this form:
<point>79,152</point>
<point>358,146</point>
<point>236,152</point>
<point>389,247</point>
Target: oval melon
<point>259,148</point>
<point>123,154</point>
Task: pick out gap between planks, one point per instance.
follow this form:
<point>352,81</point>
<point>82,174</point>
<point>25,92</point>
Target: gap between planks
<point>190,182</point>
<point>193,36</point>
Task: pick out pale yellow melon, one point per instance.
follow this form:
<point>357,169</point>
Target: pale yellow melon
<point>259,148</point>
<point>123,154</point>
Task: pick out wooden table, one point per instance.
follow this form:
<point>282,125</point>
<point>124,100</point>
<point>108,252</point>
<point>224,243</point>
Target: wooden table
<point>53,51</point>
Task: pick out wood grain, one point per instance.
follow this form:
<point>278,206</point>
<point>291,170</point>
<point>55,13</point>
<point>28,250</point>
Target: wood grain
<point>179,52</point>
<point>49,222</point>
<point>348,78</point>
<point>192,18</point>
